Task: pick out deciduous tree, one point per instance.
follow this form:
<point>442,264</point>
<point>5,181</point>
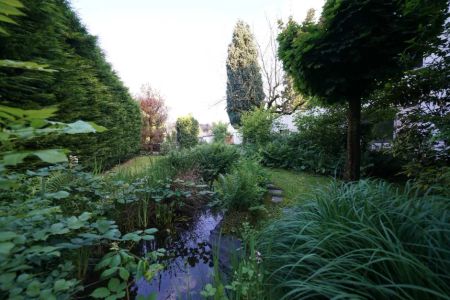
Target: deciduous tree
<point>354,48</point>
<point>154,115</point>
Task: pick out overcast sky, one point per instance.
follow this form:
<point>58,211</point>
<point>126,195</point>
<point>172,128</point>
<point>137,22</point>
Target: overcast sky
<point>179,47</point>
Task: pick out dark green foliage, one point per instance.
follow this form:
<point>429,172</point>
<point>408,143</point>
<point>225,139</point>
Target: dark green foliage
<point>187,131</point>
<point>50,225</point>
<point>360,241</point>
<point>209,160</point>
<point>243,187</point>
<point>220,132</point>
<point>423,133</point>
<point>318,146</point>
<point>347,55</point>
<point>84,86</point>
<point>257,126</point>
<point>244,82</point>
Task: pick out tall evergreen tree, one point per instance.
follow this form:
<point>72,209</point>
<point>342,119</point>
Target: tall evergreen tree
<point>83,86</point>
<point>244,84</point>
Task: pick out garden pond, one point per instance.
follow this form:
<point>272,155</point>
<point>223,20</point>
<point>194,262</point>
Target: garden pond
<point>189,260</point>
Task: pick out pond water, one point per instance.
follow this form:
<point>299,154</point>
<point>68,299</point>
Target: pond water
<point>189,260</point>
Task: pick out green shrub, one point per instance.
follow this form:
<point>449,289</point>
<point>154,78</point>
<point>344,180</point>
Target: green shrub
<point>364,240</point>
<point>243,188</point>
<point>257,126</point>
<point>220,132</point>
<point>209,160</point>
<point>187,131</point>
<point>318,146</point>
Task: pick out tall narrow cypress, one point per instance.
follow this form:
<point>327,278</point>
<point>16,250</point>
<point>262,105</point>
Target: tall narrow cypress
<point>244,84</point>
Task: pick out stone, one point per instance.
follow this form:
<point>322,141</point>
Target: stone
<point>276,192</point>
<point>270,186</point>
<point>277,199</point>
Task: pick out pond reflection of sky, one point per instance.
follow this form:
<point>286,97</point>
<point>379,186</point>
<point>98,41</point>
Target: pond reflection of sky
<point>188,265</point>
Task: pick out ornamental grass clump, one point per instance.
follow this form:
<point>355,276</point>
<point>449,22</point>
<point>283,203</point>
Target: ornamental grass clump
<point>364,240</point>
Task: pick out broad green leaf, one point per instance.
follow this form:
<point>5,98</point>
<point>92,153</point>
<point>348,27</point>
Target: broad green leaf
<point>6,247</point>
<point>74,223</point>
<point>34,288</point>
<point>17,112</point>
<point>7,235</point>
<point>124,274</point>
<point>114,285</point>
<point>58,195</point>
<point>108,272</point>
<point>103,226</point>
<point>13,159</point>
<point>151,230</point>
<point>100,293</point>
<point>79,127</point>
<point>59,228</point>
<point>43,113</point>
<point>51,156</point>
<point>61,285</point>
<point>7,280</point>
<point>98,128</point>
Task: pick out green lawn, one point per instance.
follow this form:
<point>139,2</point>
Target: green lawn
<point>136,164</point>
<point>296,186</point>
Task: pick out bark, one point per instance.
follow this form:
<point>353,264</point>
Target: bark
<point>353,140</point>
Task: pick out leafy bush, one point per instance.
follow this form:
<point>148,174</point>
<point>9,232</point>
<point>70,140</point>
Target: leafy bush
<point>49,228</point>
<point>209,160</point>
<point>363,240</point>
<point>220,132</point>
<point>187,131</point>
<point>243,188</point>
<point>257,126</point>
<point>318,146</point>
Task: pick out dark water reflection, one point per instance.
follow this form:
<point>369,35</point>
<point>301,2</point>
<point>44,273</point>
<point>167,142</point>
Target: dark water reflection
<point>189,260</point>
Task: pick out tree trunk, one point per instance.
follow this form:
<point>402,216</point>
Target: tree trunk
<point>353,140</point>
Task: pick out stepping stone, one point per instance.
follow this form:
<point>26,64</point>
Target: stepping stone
<point>270,186</point>
<point>276,192</point>
<point>277,199</point>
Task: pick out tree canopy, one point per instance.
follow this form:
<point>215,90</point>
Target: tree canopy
<point>354,48</point>
<point>244,82</point>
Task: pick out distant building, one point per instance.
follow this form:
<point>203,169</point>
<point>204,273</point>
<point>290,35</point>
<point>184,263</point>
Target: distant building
<point>205,134</point>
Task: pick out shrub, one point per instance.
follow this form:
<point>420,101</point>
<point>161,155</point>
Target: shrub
<point>242,188</point>
<point>257,126</point>
<point>220,132</point>
<point>187,131</point>
<point>318,146</point>
<point>361,241</point>
<point>209,160</point>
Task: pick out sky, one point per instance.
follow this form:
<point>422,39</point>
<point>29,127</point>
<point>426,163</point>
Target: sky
<point>179,47</point>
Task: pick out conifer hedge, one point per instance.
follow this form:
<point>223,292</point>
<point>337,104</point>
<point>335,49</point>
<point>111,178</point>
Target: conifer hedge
<point>83,86</point>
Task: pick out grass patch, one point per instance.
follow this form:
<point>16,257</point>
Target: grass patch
<point>136,165</point>
<point>297,186</point>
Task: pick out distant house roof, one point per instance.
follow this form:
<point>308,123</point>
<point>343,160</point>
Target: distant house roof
<point>205,130</point>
